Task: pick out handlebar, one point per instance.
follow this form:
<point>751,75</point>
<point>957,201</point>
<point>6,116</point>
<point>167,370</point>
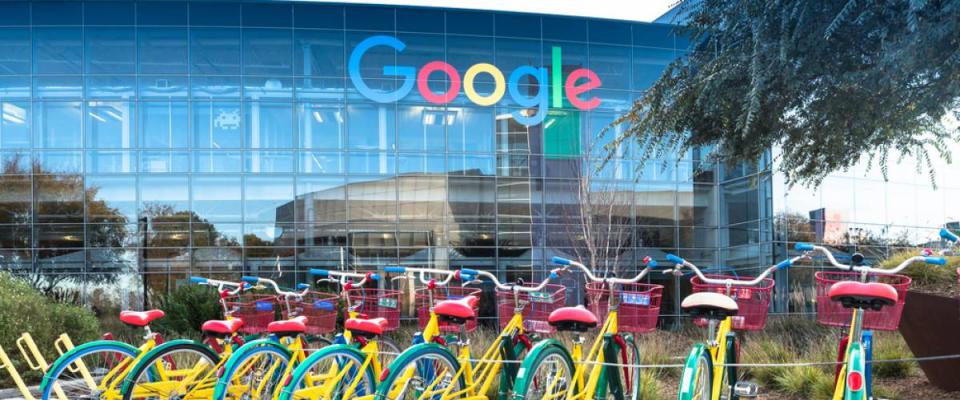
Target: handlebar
<point>680,263</point>
<point>342,277</point>
<point>467,274</point>
<point>254,280</point>
<point>221,285</point>
<point>450,275</point>
<point>946,234</point>
<point>810,248</point>
<point>649,262</point>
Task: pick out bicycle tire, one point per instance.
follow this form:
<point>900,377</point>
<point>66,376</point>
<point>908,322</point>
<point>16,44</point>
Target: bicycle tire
<point>547,350</point>
<point>412,355</point>
<point>633,359</point>
<point>697,371</point>
<point>345,351</point>
<point>50,379</point>
<point>242,354</point>
<point>165,350</point>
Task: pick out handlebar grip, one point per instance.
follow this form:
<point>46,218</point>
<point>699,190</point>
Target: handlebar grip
<point>198,280</point>
<point>674,259</point>
<point>553,276</point>
<point>301,286</point>
<point>319,272</point>
<point>395,270</point>
<point>375,277</point>
<point>468,271</point>
<point>803,246</point>
<point>946,234</point>
<point>560,261</point>
<point>785,264</point>
<point>251,279</point>
<point>935,260</point>
<point>653,263</point>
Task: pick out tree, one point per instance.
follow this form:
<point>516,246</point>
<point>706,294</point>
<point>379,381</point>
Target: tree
<point>831,83</point>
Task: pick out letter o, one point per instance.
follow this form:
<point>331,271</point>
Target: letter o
<point>424,75</point>
<point>499,87</point>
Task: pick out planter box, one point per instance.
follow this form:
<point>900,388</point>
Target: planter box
<point>930,325</point>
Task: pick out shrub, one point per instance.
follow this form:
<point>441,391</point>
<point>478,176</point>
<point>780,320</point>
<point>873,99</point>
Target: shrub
<point>938,279</point>
<point>765,349</point>
<point>892,347</point>
<point>650,385</point>
<point>23,309</point>
<point>187,308</point>
<point>805,382</point>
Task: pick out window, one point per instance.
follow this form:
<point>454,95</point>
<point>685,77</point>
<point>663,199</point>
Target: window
<point>612,65</point>
<point>217,198</point>
<point>265,198</point>
<point>159,192</point>
<point>371,126</point>
<point>314,162</point>
<point>14,51</point>
<point>58,13</point>
<point>320,16</point>
<point>267,52</point>
<point>163,50</point>
<point>108,125</point>
<point>110,51</point>
<point>161,13</point>
<point>217,161</point>
<point>159,162</point>
<point>58,50</point>
<point>370,18</point>
<point>319,53</point>
<point>321,125</point>
<point>269,162</point>
<point>422,128</point>
<point>163,87</point>
<point>115,200</point>
<point>14,125</point>
<point>111,86</point>
<point>267,15</point>
<point>215,51</point>
<point>269,125</point>
<point>216,87</point>
<point>217,125</point>
<point>57,125</point>
<point>322,198</point>
<point>58,86</point>
<point>471,130</point>
<point>164,124</point>
<point>215,14</point>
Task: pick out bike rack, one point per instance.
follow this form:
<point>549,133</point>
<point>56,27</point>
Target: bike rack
<point>35,360</point>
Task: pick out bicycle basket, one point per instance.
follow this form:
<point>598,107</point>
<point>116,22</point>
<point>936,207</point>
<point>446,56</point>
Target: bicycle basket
<point>441,294</point>
<point>537,306</point>
<point>832,313</point>
<point>378,303</point>
<point>256,310</point>
<point>320,309</point>
<point>753,302</point>
<point>639,305</point>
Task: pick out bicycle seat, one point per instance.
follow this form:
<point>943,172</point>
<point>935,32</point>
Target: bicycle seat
<point>710,305</point>
<point>222,328</point>
<point>140,318</point>
<point>457,311</point>
<point>577,319</point>
<point>290,327</point>
<point>868,296</point>
<point>366,327</point>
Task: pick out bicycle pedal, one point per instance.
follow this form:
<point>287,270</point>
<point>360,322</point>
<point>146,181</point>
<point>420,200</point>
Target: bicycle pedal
<point>746,389</point>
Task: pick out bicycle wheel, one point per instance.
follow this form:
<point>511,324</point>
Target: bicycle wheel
<point>253,372</point>
<point>388,351</point>
<point>550,373</point>
<point>79,373</point>
<point>631,386</point>
<point>335,373</point>
<point>697,379</point>
<point>183,364</point>
<point>423,371</point>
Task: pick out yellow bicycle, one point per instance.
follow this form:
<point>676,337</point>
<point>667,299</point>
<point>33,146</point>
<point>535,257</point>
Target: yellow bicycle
<point>551,372</point>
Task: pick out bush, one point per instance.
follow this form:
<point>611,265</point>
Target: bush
<point>892,347</point>
<point>804,382</point>
<point>938,279</point>
<point>23,309</point>
<point>187,308</point>
<point>650,385</point>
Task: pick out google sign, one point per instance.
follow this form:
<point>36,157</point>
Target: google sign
<point>577,83</point>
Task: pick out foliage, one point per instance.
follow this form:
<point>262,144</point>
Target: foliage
<point>891,346</point>
<point>831,83</point>
<point>939,279</point>
<point>24,309</point>
<point>804,382</point>
<point>187,308</point>
<point>650,385</point>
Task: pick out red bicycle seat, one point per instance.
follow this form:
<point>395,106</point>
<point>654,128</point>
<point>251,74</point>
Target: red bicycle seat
<point>372,326</point>
<point>863,295</point>
<point>222,327</point>
<point>290,326</point>
<point>140,318</point>
<point>458,309</point>
<point>572,319</point>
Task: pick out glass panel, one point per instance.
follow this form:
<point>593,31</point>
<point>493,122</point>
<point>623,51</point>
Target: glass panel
<point>323,89</point>
<point>215,51</point>
<point>163,87</point>
<point>163,50</point>
<point>14,87</point>
<point>471,130</point>
<point>267,15</point>
<point>57,125</point>
<point>420,163</point>
<point>267,52</point>
<point>108,125</point>
<point>371,163</point>
<point>319,53</point>
<point>321,125</point>
<point>607,31</point>
<point>110,51</point>
<point>164,124</point>
<point>314,162</point>
<point>422,128</point>
<point>655,204</point>
<point>113,199</point>
<point>321,199</point>
<point>372,199</point>
<point>14,125</point>
<point>422,197</point>
<point>320,16</point>
<point>14,51</point>
<point>471,164</point>
<point>16,205</point>
<point>108,13</point>
<point>58,13</point>
<point>371,18</point>
<point>163,192</point>
<point>612,65</point>
<point>269,162</point>
<point>215,14</point>
<point>217,125</point>
<point>215,161</point>
<point>564,28</point>
<point>470,22</point>
<point>111,87</point>
<point>59,199</point>
<point>111,162</point>
<point>517,25</point>
<point>472,199</point>
<point>60,162</point>
<point>465,51</point>
<point>217,198</point>
<point>259,88</point>
<point>215,87</point>
<point>58,50</point>
<point>58,87</point>
<point>164,162</point>
<point>161,13</point>
<point>15,14</point>
<point>648,65</point>
<point>371,126</point>
<point>269,125</point>
<point>267,197</point>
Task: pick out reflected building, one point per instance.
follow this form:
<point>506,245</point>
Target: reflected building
<point>146,141</point>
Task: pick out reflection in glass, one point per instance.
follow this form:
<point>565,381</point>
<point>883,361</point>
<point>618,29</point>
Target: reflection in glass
<point>319,53</point>
<point>110,51</point>
<point>164,124</point>
<point>217,198</point>
<point>267,52</point>
<point>321,125</point>
<point>371,126</point>
<point>163,50</point>
<point>108,125</point>
<point>269,125</point>
<point>217,125</point>
<point>265,196</point>
<point>15,53</point>
<point>57,125</point>
<point>215,51</point>
<point>58,50</point>
<point>14,125</point>
<point>164,162</point>
<point>216,161</point>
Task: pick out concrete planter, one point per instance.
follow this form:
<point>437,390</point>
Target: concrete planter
<point>930,325</point>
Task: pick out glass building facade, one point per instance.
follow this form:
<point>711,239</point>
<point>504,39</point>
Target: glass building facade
<point>144,142</point>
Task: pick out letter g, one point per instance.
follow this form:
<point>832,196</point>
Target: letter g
<point>407,72</point>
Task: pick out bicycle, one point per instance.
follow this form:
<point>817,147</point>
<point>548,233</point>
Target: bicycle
<point>99,369</point>
<point>352,370</point>
<point>257,368</point>
<point>431,370</point>
<point>853,378</point>
<point>550,371</point>
<point>709,371</point>
<point>195,381</point>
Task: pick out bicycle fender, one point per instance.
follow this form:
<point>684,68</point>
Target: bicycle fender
<point>286,392</point>
<point>538,348</point>
<point>127,380</point>
<point>689,366</point>
<point>58,363</point>
<point>231,364</point>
